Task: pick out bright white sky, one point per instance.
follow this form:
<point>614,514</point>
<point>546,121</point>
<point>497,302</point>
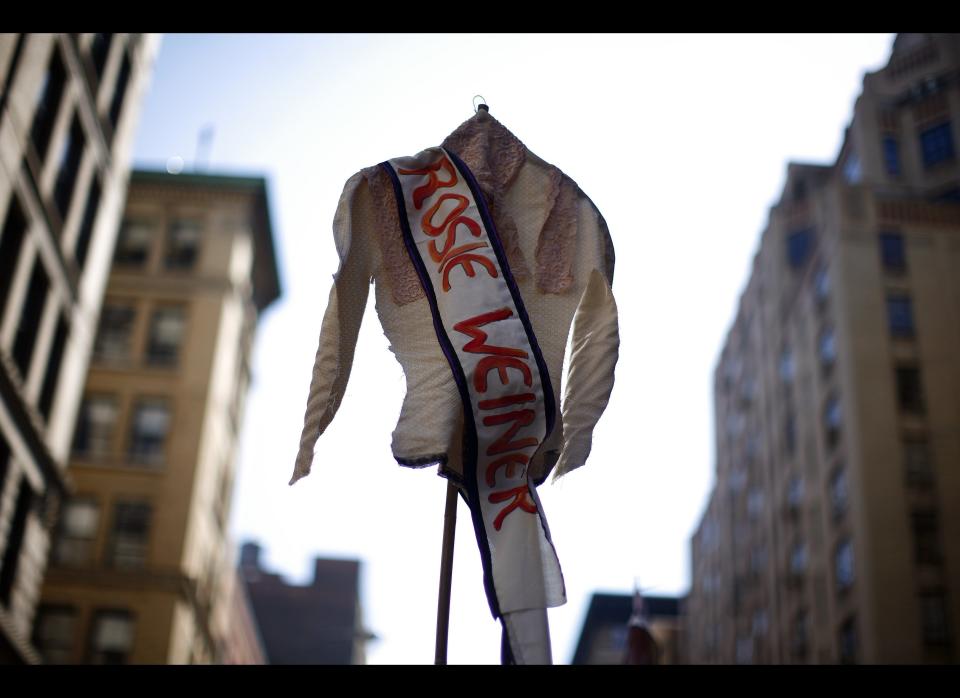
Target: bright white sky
<point>681,141</point>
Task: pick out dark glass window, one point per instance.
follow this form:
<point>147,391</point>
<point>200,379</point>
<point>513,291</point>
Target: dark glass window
<point>926,537</point>
<point>900,316</point>
<point>918,462</point>
<point>115,332</point>
<point>95,426</point>
<point>52,372</point>
<point>166,336</point>
<point>30,317</point>
<point>54,633</point>
<point>790,434</point>
<point>49,97</point>
<point>848,642</point>
<point>828,347</point>
<point>111,640</point>
<point>833,420</point>
<point>131,535</point>
<point>795,492</point>
<point>936,145</point>
<point>786,366</point>
<point>99,50</point>
<point>799,639</point>
<point>799,245</point>
<point>133,243</point>
<point>18,527</point>
<point>116,104</point>
<point>183,239</point>
<point>838,492</point>
<point>11,239</point>
<point>77,534</point>
<point>936,623</point>
<point>891,156</point>
<point>843,562</point>
<point>86,225</point>
<point>69,167</point>
<point>4,462</point>
<point>909,389</point>
<point>821,285</point>
<point>151,422</point>
<point>798,559</point>
<point>892,252</point>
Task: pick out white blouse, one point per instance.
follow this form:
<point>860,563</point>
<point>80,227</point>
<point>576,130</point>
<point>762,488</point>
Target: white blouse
<point>561,255</point>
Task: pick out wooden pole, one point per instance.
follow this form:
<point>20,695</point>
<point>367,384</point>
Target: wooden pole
<point>446,573</point>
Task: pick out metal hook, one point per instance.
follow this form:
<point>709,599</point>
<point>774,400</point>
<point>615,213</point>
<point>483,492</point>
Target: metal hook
<point>482,105</point>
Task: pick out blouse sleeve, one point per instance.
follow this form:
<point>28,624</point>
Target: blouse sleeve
<point>341,324</point>
<point>595,345</point>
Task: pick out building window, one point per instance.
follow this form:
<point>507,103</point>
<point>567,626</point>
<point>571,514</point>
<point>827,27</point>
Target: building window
<point>738,480</point>
<point>95,425</point>
<point>760,622</point>
<point>99,50</point>
<point>11,240</point>
<point>828,348</point>
<point>900,316</point>
<point>755,503</point>
<point>77,537</point>
<point>4,463</point>
<point>151,422</point>
<point>798,559</point>
<point>133,243</point>
<point>166,336</point>
<point>54,633</point>
<point>891,156</point>
<point>745,650</point>
<point>926,538</point>
<point>848,642</point>
<point>936,145</point>
<point>843,561</point>
<point>69,165</point>
<point>130,535</point>
<point>909,390</point>
<point>183,240</point>
<point>120,91</point>
<point>15,535</point>
<point>936,626</point>
<point>893,254</point>
<point>786,366</point>
<point>795,492</point>
<point>799,639</point>
<point>799,245</point>
<point>86,225</point>
<point>52,372</point>
<point>851,169</point>
<point>917,461</point>
<point>114,333</point>
<point>833,420</point>
<point>838,492</point>
<point>49,97</point>
<point>821,285</point>
<point>111,641</point>
<point>30,317</point>
<point>790,434</point>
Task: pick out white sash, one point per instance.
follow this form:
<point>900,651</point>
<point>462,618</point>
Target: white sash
<point>482,326</point>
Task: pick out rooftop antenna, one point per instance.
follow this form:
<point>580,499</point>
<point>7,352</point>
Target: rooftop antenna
<point>204,144</point>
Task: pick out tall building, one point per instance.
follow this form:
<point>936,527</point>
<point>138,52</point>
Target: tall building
<point>69,105</point>
<point>833,532</point>
<point>319,623</point>
<point>141,564</point>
